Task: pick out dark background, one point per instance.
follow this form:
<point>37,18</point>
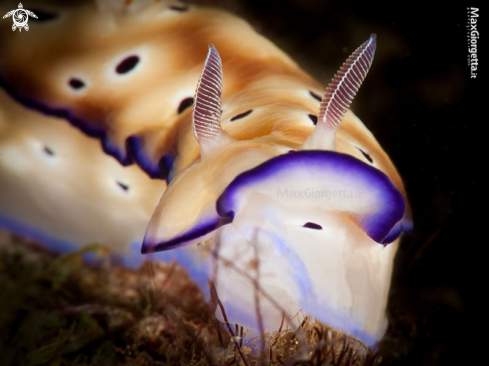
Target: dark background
<point>424,109</point>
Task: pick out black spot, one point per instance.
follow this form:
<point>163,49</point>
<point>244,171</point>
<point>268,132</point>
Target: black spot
<point>48,151</point>
<point>76,83</point>
<point>312,225</point>
<point>124,187</point>
<point>184,104</point>
<point>313,118</point>
<point>179,7</point>
<point>242,115</point>
<point>127,64</point>
<point>315,96</point>
<point>367,156</point>
<point>43,16</point>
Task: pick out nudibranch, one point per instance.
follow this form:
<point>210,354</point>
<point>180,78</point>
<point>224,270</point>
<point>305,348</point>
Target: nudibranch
<point>282,198</point>
<point>309,225</point>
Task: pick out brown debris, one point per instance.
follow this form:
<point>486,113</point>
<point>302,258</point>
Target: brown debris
<point>57,310</point>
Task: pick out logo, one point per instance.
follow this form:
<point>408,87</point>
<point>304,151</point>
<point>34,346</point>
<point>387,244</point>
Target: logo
<point>20,17</point>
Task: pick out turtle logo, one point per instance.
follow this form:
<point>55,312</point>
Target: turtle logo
<point>20,17</point>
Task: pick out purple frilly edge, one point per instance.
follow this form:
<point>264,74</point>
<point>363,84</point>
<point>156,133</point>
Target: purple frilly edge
<point>154,168</point>
<point>195,232</point>
<point>384,227</point>
<point>133,154</point>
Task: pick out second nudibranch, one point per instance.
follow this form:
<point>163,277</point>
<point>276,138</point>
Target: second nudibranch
<point>301,218</point>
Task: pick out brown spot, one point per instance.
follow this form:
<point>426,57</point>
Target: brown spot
<point>253,264</point>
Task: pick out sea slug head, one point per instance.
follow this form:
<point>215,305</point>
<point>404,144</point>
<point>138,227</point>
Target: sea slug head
<point>313,229</point>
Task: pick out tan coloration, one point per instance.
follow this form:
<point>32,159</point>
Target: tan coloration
<point>125,7</point>
<point>352,134</point>
<point>199,189</point>
<point>280,115</point>
<point>169,66</point>
<point>257,76</point>
<point>280,105</point>
<point>278,123</point>
<point>58,181</point>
